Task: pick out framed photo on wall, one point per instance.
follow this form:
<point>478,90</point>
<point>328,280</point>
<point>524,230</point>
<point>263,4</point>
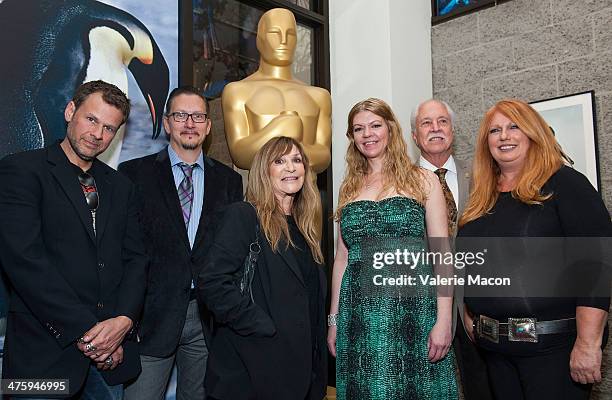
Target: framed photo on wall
<point>443,10</point>
<point>572,119</point>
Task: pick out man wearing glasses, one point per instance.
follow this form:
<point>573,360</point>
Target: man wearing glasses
<point>73,254</point>
<point>181,189</point>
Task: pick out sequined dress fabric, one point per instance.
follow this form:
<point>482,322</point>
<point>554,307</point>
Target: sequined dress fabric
<point>381,339</point>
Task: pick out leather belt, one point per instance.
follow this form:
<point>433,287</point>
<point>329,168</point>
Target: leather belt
<point>520,329</point>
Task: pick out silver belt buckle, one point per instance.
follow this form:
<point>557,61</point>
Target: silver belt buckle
<point>522,330</point>
<point>488,328</point>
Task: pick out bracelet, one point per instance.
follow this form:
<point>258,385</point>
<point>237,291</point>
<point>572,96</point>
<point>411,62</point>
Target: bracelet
<point>332,319</point>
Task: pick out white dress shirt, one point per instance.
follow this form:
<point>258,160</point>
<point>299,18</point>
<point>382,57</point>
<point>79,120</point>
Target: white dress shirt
<point>451,175</point>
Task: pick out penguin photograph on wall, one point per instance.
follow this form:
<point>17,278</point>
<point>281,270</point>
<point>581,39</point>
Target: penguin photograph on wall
<point>50,47</point>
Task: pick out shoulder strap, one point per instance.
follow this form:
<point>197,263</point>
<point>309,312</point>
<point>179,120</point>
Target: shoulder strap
<point>256,223</point>
<point>250,263</point>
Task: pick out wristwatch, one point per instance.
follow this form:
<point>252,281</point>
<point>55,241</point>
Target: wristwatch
<point>332,319</point>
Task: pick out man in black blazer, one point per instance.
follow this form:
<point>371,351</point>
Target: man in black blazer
<point>73,254</point>
<point>181,189</point>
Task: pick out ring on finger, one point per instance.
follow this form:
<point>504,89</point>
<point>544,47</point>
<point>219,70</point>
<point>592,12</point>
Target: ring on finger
<point>109,361</point>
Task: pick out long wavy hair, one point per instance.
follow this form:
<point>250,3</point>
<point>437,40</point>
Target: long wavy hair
<point>398,172</point>
<point>306,203</point>
<point>544,158</point>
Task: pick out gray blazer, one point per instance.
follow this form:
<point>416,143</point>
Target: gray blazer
<point>464,175</point>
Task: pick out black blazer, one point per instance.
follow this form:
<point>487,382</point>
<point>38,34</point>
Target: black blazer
<point>62,279</point>
<point>263,350</point>
<point>173,264</point>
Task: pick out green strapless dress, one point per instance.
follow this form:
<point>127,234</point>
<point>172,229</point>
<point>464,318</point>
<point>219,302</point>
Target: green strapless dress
<point>382,332</point>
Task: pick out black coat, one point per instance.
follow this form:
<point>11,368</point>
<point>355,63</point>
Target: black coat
<point>173,264</point>
<point>263,350</point>
<point>62,279</point>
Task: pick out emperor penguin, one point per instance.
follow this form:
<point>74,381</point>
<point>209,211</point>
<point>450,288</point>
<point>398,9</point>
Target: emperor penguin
<point>53,46</point>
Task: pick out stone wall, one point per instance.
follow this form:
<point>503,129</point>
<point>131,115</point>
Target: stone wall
<point>532,50</point>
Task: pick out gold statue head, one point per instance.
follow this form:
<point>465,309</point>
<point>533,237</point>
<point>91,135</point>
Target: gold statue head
<point>277,36</point>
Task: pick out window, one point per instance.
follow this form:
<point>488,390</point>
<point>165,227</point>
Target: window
<point>222,34</point>
<point>307,4</point>
<point>224,45</point>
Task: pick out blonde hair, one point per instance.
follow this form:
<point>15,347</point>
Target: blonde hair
<point>544,158</point>
<point>306,204</point>
<point>398,172</point>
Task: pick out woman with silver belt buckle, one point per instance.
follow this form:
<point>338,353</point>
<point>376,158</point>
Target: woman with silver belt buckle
<point>534,347</point>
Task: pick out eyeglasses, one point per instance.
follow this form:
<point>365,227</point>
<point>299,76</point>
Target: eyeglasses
<point>88,185</point>
<point>180,116</point>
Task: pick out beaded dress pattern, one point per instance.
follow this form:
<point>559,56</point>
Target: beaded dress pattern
<point>382,336</point>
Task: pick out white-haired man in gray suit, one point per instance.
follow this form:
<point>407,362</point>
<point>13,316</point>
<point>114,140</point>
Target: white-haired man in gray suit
<point>432,130</point>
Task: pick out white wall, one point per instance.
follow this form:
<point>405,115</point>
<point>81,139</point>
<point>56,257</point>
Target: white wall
<point>382,49</point>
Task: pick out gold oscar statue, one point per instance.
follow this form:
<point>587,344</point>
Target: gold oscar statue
<point>271,102</point>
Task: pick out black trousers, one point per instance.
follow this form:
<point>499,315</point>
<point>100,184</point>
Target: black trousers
<point>472,367</point>
<point>538,377</point>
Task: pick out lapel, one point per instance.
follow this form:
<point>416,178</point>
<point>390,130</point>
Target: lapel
<point>211,188</point>
<point>287,256</point>
<point>105,193</point>
<point>266,251</point>
<point>65,176</point>
<point>165,178</point>
<point>322,284</point>
<point>463,181</point>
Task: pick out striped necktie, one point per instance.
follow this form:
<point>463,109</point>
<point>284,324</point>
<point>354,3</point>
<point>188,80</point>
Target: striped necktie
<point>185,191</point>
<point>451,207</point>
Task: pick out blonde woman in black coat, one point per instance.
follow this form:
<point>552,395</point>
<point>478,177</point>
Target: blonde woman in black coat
<point>270,346</point>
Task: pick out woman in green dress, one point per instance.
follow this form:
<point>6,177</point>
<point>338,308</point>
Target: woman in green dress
<point>389,342</point>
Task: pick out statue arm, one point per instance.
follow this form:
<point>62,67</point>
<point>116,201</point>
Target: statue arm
<point>244,143</point>
<point>319,152</point>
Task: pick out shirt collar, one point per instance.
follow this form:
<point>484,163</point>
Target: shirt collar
<point>175,159</point>
<point>449,165</point>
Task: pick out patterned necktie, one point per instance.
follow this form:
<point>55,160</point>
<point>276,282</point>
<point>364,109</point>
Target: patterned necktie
<point>451,208</point>
<point>185,191</point>
<point>88,186</point>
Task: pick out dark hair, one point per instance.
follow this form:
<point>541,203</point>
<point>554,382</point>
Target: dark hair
<point>184,90</point>
<point>111,95</point>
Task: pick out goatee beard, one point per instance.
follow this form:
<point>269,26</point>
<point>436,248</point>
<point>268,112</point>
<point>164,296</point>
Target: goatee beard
<point>189,146</point>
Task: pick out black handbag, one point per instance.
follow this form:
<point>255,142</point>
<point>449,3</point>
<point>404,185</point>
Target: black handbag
<point>245,279</point>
